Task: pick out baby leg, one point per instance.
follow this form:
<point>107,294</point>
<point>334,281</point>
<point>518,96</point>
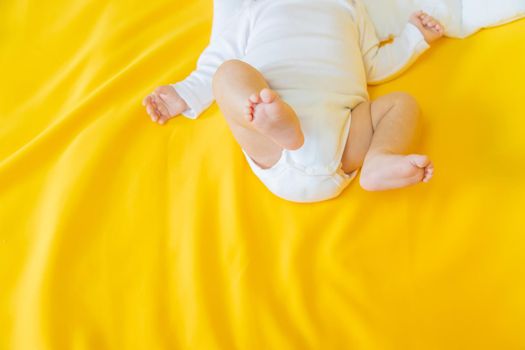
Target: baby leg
<point>261,122</point>
<point>380,134</point>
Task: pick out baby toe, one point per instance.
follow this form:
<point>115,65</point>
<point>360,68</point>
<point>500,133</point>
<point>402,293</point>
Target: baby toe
<point>248,114</point>
<point>267,95</point>
<point>429,171</point>
<point>428,176</point>
<point>419,160</point>
<point>251,105</point>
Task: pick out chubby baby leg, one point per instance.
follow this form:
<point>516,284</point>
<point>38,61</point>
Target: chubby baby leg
<point>387,130</point>
<point>261,122</point>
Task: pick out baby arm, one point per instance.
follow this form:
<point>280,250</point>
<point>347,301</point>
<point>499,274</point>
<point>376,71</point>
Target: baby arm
<point>191,96</point>
<point>385,62</point>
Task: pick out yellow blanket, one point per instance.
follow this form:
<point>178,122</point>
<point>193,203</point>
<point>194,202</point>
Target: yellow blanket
<point>118,233</point>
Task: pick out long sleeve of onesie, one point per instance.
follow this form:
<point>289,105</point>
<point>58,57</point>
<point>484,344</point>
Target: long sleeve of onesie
<point>386,62</point>
<point>196,88</point>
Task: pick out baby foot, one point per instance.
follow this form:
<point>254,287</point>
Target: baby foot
<point>384,171</point>
<point>273,117</point>
<point>431,29</point>
<point>164,103</point>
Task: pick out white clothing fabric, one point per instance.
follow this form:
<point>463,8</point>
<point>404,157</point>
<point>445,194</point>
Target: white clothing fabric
<point>318,55</point>
<point>223,12</point>
<point>461,18</point>
<point>289,182</point>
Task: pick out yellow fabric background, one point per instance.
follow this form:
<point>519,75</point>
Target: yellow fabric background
<point>117,233</point>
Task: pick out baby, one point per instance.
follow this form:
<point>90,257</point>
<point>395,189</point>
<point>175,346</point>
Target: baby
<point>290,77</point>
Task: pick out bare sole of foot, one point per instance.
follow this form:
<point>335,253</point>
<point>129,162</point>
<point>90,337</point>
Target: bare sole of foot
<point>385,171</point>
<point>271,116</point>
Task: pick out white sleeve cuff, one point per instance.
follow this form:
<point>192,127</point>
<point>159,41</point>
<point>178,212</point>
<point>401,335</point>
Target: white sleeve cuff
<point>415,38</point>
<point>192,100</point>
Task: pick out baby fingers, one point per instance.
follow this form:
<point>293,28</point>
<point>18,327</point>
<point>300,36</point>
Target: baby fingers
<point>163,109</point>
<point>151,111</point>
<point>154,108</point>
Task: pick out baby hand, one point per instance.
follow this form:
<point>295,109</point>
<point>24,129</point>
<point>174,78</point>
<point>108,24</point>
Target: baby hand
<point>163,104</point>
<point>431,29</point>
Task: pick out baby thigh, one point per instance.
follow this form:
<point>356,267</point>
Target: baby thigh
<point>359,137</point>
<point>233,83</point>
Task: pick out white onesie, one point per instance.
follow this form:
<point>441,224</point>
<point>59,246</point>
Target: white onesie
<point>319,56</point>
